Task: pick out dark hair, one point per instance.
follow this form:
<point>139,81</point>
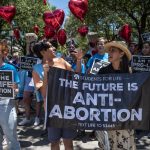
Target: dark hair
<point>40,46</point>
<point>92,44</point>
<point>132,43</point>
<point>124,64</point>
<point>146,43</point>
<point>71,42</point>
<point>54,43</point>
<point>31,47</point>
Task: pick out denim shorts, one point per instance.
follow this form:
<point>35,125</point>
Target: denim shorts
<point>27,86</point>
<point>38,95</point>
<point>8,123</point>
<point>55,134</point>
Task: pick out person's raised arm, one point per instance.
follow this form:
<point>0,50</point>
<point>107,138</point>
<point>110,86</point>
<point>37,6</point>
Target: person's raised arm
<point>79,56</point>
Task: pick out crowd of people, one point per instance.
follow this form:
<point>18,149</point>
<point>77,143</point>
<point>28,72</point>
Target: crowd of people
<point>33,83</point>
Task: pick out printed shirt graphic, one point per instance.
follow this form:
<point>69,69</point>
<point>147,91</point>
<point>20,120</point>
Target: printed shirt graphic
<point>6,66</point>
<point>97,56</point>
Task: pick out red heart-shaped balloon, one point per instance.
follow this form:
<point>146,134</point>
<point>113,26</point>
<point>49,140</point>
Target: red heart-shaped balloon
<point>49,32</point>
<point>7,13</point>
<point>125,32</point>
<point>54,19</point>
<point>36,29</point>
<point>61,37</point>
<point>83,30</point>
<point>16,34</point>
<point>45,2</point>
<point>78,8</point>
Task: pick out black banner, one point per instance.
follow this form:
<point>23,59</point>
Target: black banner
<point>146,37</point>
<point>104,102</point>
<point>6,78</point>
<point>140,63</point>
<point>97,65</point>
<point>27,63</point>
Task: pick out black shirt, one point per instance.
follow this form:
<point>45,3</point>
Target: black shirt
<point>109,69</point>
<point>29,72</point>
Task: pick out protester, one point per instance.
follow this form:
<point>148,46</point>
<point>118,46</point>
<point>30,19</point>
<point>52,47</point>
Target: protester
<point>72,50</point>
<point>46,52</point>
<point>146,52</point>
<point>71,44</point>
<point>8,117</point>
<point>27,95</point>
<point>15,59</point>
<point>101,55</point>
<point>31,38</point>
<point>19,96</point>
<point>119,56</point>
<point>92,38</point>
<point>38,96</point>
<point>133,48</point>
<point>39,99</point>
<point>146,49</point>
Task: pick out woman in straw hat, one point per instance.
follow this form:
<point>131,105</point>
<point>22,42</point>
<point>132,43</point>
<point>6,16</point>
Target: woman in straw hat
<point>119,57</point>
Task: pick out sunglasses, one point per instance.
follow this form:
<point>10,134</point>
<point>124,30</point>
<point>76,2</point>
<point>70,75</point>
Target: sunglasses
<point>71,44</point>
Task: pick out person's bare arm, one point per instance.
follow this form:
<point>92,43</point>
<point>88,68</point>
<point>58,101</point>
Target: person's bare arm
<point>38,83</point>
<point>45,80</point>
<point>79,56</point>
<point>68,66</point>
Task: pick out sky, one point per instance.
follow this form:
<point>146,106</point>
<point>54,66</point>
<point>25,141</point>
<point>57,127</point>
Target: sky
<point>61,4</point>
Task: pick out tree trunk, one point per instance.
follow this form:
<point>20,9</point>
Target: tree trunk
<point>140,42</point>
<point>1,25</point>
<point>141,29</point>
<point>143,22</point>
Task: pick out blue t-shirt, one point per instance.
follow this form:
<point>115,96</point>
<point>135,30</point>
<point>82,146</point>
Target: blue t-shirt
<point>22,76</point>
<point>83,70</point>
<point>38,68</point>
<point>5,66</point>
<point>103,57</point>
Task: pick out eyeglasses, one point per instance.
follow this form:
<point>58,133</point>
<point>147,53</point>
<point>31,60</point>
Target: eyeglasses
<point>71,43</point>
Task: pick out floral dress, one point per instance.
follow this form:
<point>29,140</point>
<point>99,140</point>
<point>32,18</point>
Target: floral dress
<point>117,139</point>
<point>121,140</point>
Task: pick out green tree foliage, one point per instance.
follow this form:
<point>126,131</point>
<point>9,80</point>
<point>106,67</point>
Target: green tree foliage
<point>28,14</point>
<point>71,25</point>
<point>119,12</point>
<point>106,16</point>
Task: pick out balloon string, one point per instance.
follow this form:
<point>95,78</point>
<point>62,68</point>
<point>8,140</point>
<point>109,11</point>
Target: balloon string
<point>56,20</point>
<point>11,26</point>
<point>64,47</point>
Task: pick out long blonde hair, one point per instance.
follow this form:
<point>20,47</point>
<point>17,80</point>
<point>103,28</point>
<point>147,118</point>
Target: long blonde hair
<point>4,48</point>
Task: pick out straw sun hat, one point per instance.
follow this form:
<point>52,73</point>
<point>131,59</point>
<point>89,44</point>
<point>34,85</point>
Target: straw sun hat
<point>118,44</point>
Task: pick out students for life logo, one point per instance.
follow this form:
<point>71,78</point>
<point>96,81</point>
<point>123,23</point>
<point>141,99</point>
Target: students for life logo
<point>76,76</point>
